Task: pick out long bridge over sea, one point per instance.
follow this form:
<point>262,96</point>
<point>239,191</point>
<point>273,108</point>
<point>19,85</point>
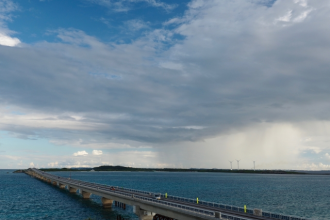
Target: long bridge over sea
<point>147,207</point>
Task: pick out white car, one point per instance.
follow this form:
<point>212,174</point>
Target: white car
<point>157,196</point>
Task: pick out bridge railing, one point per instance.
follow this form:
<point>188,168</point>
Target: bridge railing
<point>179,206</point>
<point>210,204</point>
<point>234,208</point>
<point>182,199</point>
<point>222,206</point>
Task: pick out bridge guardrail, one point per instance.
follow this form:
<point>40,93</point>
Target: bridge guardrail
<point>235,208</point>
<point>179,206</point>
<point>188,200</point>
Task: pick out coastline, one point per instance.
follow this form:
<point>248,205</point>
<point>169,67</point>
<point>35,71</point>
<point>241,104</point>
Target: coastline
<point>132,169</point>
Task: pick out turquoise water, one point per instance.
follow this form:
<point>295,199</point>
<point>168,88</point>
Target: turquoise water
<point>23,197</point>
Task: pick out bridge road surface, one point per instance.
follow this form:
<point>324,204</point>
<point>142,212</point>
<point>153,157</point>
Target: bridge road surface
<point>94,188</point>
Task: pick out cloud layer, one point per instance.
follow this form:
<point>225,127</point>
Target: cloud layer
<point>223,68</point>
<point>80,153</point>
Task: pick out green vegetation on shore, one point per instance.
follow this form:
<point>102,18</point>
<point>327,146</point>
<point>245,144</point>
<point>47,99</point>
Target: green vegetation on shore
<point>19,171</point>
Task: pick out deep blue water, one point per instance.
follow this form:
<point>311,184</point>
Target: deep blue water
<point>23,197</point>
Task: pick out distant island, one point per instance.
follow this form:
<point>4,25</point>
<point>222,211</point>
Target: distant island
<point>19,171</point>
<point>132,169</point>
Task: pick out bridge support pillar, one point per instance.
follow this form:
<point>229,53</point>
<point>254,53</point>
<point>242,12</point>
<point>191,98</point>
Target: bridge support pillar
<point>62,186</point>
<point>49,181</point>
<point>54,183</point>
<point>72,190</point>
<point>143,214</point>
<point>86,195</point>
<point>107,203</point>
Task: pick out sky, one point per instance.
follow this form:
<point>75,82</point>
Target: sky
<point>164,83</point>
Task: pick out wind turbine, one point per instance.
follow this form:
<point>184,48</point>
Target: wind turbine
<point>231,165</point>
<point>237,164</point>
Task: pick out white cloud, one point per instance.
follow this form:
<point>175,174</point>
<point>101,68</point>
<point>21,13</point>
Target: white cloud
<point>12,157</point>
<point>298,11</point>
<point>156,3</point>
<point>97,152</point>
<point>7,6</point>
<point>314,166</point>
<point>301,2</point>
<point>327,156</point>
<point>8,41</point>
<point>324,166</point>
<point>44,120</point>
<point>32,165</point>
<point>80,153</point>
<point>124,158</point>
<point>172,21</point>
<point>126,5</point>
<point>286,17</point>
<point>171,65</point>
<point>302,16</point>
<point>53,164</point>
<point>191,127</point>
<point>92,143</point>
<point>136,24</point>
<point>317,150</point>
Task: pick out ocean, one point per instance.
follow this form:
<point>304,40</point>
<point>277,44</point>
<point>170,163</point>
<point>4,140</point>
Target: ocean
<point>23,197</point>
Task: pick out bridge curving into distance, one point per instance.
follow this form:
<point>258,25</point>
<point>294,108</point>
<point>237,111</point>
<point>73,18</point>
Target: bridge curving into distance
<point>147,207</point>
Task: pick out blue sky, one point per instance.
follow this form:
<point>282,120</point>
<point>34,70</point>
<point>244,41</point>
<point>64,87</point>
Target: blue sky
<point>155,83</point>
<point>35,20</point>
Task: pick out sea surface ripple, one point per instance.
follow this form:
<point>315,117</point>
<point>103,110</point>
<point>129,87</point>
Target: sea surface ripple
<point>23,197</point>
